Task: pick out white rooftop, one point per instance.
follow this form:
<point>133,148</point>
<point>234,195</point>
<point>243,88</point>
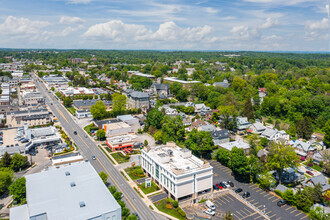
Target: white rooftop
<point>239,144</point>
<point>121,139</point>
<point>174,158</point>
<point>51,194</point>
<point>174,79</point>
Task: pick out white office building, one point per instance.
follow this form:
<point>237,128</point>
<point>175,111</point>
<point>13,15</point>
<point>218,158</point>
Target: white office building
<point>179,173</point>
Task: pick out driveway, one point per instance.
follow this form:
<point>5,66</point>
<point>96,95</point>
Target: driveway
<point>158,197</point>
<point>145,136</point>
<point>263,200</point>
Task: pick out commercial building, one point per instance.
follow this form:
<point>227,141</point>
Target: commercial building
<point>55,81</point>
<point>179,173</point>
<point>74,192</point>
<point>31,117</point>
<point>183,82</point>
<point>137,73</point>
<point>87,104</point>
<point>83,114</point>
<point>122,142</point>
<point>118,128</point>
<point>139,100</point>
<point>33,99</point>
<point>43,135</point>
<point>131,121</point>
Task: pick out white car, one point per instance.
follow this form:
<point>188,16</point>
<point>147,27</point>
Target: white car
<point>209,212</point>
<point>227,184</point>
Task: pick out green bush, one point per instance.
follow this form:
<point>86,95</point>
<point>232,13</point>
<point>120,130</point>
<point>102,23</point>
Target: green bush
<point>181,212</point>
<point>175,204</point>
<point>278,192</point>
<point>169,200</point>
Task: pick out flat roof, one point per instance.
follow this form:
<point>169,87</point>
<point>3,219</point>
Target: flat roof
<point>174,79</point>
<point>117,125</point>
<point>51,192</point>
<point>121,139</point>
<point>176,158</point>
<point>239,144</point>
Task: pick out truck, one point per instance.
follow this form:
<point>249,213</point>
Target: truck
<point>210,205</point>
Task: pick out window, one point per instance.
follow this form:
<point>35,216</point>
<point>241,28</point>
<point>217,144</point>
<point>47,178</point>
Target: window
<point>157,171</point>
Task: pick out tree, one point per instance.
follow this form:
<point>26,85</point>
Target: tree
<point>6,178</point>
<point>326,138</point>
<point>67,101</point>
<point>132,217</point>
<point>173,129</point>
<point>267,180</point>
<point>200,143</point>
<point>119,102</point>
<point>303,199</point>
<point>318,213</point>
<point>317,193</point>
<point>280,157</point>
<point>226,111</point>
<point>289,196</point>
<point>223,156</point>
<point>104,177</point>
<point>304,128</point>
<point>100,134</point>
<point>182,95</point>
<point>239,163</point>
<point>248,109</point>
<point>5,160</point>
<point>53,89</point>
<point>18,162</point>
<point>146,143</point>
<point>18,191</point>
<point>264,142</point>
<point>112,189</point>
<point>228,216</point>
<point>238,84</point>
<point>155,118</point>
<point>101,96</point>
<point>98,110</point>
<point>117,195</point>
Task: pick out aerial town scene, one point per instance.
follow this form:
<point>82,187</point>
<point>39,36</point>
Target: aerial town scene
<point>164,110</point>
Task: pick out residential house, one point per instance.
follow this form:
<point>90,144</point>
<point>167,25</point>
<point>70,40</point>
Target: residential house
<point>186,121</point>
<point>77,192</point>
<point>139,100</point>
<point>304,149</point>
<point>202,109</point>
<point>321,179</point>
<point>207,128</point>
<point>242,123</point>
<point>196,124</point>
<point>262,155</point>
<point>239,144</point>
<point>168,110</point>
<point>320,155</point>
<point>224,84</point>
<point>162,90</point>
<point>220,136</point>
<point>257,128</point>
<point>190,71</point>
<point>262,94</point>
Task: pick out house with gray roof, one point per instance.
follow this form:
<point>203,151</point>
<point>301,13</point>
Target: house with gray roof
<point>304,149</point>
<point>87,104</point>
<point>224,84</point>
<point>162,90</point>
<point>315,180</point>
<point>139,100</point>
<point>242,123</point>
<point>220,136</point>
<point>257,128</point>
<point>239,144</point>
<point>72,191</point>
<point>207,128</point>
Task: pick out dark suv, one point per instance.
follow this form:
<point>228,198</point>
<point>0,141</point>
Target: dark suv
<point>246,195</point>
<point>281,203</point>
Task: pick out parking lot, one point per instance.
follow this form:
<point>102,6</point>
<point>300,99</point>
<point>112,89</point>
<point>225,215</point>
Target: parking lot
<point>263,200</point>
<point>240,210</point>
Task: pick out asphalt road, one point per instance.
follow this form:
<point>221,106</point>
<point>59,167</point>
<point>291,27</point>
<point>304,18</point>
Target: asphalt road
<point>261,199</point>
<point>88,148</point>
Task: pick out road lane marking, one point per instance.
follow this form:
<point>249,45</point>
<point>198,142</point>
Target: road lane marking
<point>116,184</point>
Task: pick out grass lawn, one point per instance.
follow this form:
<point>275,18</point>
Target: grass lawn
<point>90,127</point>
<point>130,172</point>
<point>72,110</point>
<point>317,167</point>
<point>120,158</point>
<point>152,188</point>
<point>161,206</point>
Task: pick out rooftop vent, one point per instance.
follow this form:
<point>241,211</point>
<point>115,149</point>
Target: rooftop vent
<point>82,204</point>
<point>73,184</point>
<point>67,173</point>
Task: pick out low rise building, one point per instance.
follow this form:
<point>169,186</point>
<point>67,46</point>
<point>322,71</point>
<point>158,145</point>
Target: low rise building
<point>183,82</point>
<point>257,128</point>
<point>162,90</point>
<point>56,81</point>
<point>139,100</point>
<point>131,121</point>
<point>224,84</point>
<point>119,128</point>
<point>239,144</point>
<point>38,136</point>
<point>87,104</point>
<point>33,99</point>
<point>32,117</point>
<point>72,192</point>
<point>242,123</point>
<point>303,149</point>
<point>83,114</point>
<point>122,142</point>
<point>179,173</point>
<point>220,136</point>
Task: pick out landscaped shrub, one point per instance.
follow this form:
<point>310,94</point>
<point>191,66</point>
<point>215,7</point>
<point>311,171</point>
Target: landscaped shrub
<point>175,204</point>
<point>169,200</point>
<point>138,172</point>
<point>181,212</point>
<point>278,192</point>
<point>310,164</point>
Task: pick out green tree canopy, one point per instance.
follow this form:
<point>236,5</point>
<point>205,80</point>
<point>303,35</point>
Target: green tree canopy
<point>119,102</point>
<point>223,156</point>
<point>326,129</point>
<point>6,178</point>
<point>98,110</point>
<point>155,118</point>
<point>67,101</point>
<point>18,162</point>
<point>103,176</point>
<point>100,134</point>
<point>304,128</point>
<point>5,160</point>
<point>239,163</point>
<point>200,143</point>
<point>18,190</point>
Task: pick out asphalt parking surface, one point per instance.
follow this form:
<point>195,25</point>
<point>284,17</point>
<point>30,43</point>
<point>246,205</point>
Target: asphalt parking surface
<point>158,197</point>
<point>264,201</point>
<point>240,210</point>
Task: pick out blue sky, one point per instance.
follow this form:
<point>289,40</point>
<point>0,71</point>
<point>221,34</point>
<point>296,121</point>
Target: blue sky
<point>271,25</point>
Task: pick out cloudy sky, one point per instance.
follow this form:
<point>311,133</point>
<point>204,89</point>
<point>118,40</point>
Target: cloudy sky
<point>271,25</point>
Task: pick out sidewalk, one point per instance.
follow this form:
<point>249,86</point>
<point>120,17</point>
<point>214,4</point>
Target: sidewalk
<point>145,197</point>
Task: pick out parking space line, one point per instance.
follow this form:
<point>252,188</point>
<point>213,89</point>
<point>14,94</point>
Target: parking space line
<point>275,200</point>
<point>259,216</point>
<point>259,190</point>
<point>251,200</point>
<point>239,214</point>
<point>271,216</point>
<point>278,218</point>
<point>224,199</point>
<point>272,197</point>
<point>304,217</point>
<point>259,206</point>
<point>299,213</point>
<point>252,214</point>
<point>248,211</point>
<point>243,212</point>
<point>289,208</point>
<point>263,192</point>
<point>229,197</point>
<point>268,212</point>
<point>255,203</point>
<point>218,202</point>
<point>293,211</point>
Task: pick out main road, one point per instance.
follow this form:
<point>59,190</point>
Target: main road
<point>87,148</point>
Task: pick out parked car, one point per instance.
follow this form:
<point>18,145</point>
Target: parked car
<point>215,187</point>
<point>281,203</point>
<point>210,205</point>
<point>209,212</point>
<point>16,145</point>
<point>223,185</point>
<point>11,145</point>
<point>219,186</point>
<point>308,168</point>
<point>238,190</point>
<point>231,183</point>
<point>75,132</point>
<point>227,184</point>
<point>310,173</point>
<point>246,195</point>
<point>93,157</point>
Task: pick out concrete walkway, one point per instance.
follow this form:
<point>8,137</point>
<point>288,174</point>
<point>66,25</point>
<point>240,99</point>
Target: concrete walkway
<point>145,197</point>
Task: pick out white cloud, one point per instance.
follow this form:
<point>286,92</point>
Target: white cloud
<point>318,25</point>
<point>68,30</point>
<point>272,38</point>
<point>244,33</point>
<point>269,23</point>
<point>21,27</point>
<point>280,2</point>
<point>211,10</point>
<point>79,1</point>
<point>71,20</point>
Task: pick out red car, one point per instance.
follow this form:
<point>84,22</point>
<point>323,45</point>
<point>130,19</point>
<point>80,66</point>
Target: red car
<point>309,172</point>
<point>220,187</point>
